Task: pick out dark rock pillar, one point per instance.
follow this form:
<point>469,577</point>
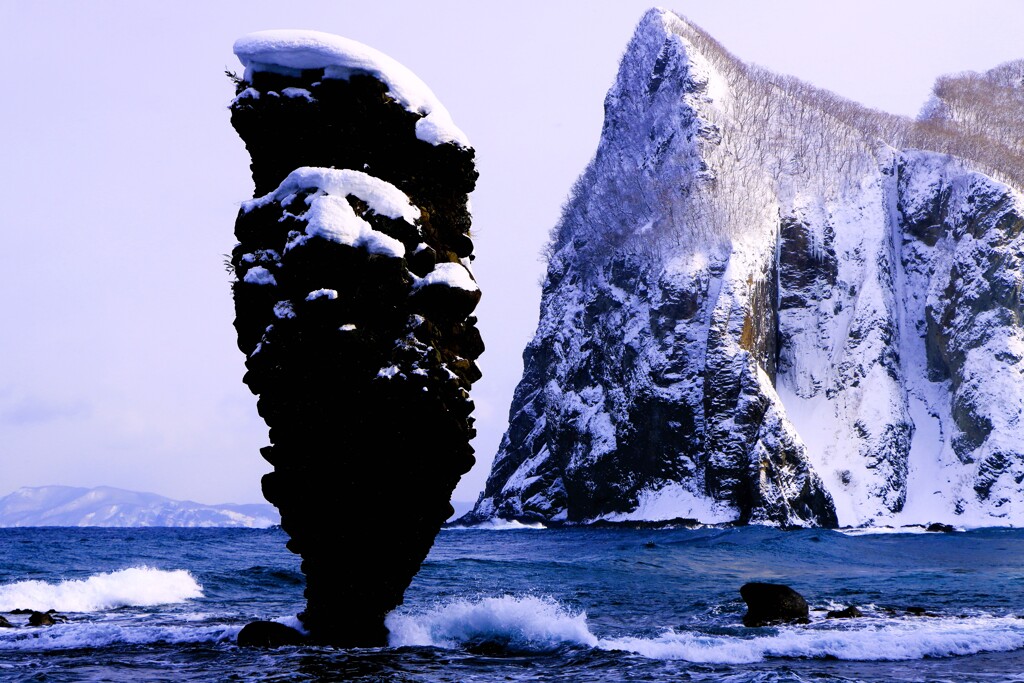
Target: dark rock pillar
<point>353,305</point>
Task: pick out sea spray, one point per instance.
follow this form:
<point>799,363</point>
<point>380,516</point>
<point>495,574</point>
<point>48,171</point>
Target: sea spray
<point>133,587</point>
<point>523,622</point>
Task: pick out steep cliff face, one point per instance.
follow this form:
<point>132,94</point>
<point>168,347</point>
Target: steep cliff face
<point>963,258</point>
<point>756,310</point>
<point>353,305</point>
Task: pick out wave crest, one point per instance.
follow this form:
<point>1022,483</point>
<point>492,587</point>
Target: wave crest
<point>525,622</point>
<point>133,587</point>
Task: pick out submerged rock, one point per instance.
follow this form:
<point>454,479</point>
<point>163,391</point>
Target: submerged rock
<point>353,304</point>
<point>4,623</point>
<point>773,603</point>
<point>49,618</point>
<point>915,611</point>
<point>850,612</point>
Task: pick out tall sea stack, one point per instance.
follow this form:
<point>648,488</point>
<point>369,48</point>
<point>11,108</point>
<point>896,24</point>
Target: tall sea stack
<point>353,304</point>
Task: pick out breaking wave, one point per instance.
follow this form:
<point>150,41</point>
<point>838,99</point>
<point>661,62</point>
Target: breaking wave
<point>543,624</point>
<point>134,587</point>
<point>527,622</point>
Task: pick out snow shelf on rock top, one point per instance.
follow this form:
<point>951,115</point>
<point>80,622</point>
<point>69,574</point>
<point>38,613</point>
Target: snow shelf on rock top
<point>291,51</point>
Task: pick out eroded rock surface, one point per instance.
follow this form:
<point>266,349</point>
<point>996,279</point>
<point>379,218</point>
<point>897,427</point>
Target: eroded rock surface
<point>354,298</point>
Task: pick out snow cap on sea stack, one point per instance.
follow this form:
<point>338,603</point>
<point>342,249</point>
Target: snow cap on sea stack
<point>291,51</point>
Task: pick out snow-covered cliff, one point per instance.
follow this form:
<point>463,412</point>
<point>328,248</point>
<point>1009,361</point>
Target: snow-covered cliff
<point>764,305</point>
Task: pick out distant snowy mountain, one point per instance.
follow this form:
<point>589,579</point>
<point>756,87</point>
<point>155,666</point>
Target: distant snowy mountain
<point>768,304</point>
<point>110,507</point>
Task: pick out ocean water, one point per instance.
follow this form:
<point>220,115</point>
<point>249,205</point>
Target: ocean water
<point>525,605</point>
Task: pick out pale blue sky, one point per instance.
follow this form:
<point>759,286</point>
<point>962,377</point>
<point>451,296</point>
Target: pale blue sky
<point>122,177</point>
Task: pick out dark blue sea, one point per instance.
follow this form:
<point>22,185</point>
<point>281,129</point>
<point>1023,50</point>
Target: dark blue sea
<point>525,605</point>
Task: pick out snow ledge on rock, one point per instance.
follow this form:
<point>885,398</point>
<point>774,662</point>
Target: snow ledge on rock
<point>330,216</point>
<point>450,275</point>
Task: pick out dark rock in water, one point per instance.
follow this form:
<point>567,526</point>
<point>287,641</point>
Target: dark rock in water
<point>918,612</point>
<point>773,603</point>
<point>269,634</point>
<point>44,619</point>
<point>850,612</point>
<point>353,297</point>
<point>21,610</point>
<point>941,528</point>
<point>5,624</point>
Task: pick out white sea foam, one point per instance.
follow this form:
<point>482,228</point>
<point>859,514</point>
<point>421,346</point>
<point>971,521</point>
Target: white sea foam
<point>134,587</point>
<point>526,621</point>
<point>105,633</point>
<point>543,624</point>
<point>878,640</point>
<point>94,635</point>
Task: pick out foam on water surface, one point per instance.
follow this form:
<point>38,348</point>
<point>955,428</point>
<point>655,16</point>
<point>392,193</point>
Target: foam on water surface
<point>99,634</point>
<point>543,624</point>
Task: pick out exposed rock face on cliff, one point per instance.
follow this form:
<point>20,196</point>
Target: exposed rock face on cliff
<point>763,305</point>
<point>353,305</point>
